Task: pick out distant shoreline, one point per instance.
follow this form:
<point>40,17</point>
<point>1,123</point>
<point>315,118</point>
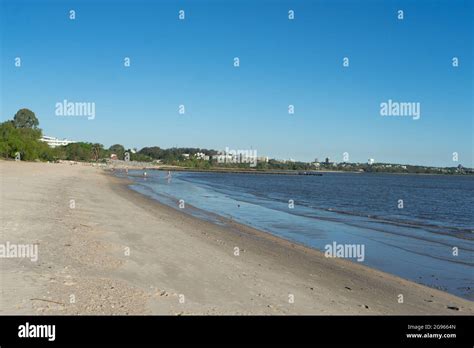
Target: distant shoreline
<point>277,172</point>
<point>133,165</point>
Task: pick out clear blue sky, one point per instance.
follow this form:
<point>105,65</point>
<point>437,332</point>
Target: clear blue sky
<point>283,62</point>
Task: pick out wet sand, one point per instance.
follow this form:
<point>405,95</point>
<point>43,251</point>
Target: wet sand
<point>114,251</point>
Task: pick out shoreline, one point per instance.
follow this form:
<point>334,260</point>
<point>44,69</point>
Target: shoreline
<point>276,172</point>
<point>173,254</point>
<point>256,233</point>
<point>259,233</point>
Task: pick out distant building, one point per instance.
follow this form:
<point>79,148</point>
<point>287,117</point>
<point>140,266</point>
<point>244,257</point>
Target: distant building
<point>328,162</point>
<point>263,159</point>
<point>113,156</point>
<point>224,158</point>
<point>55,142</point>
<point>370,161</point>
<point>202,156</point>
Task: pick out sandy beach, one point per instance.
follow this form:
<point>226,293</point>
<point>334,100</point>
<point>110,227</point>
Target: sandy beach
<point>104,249</point>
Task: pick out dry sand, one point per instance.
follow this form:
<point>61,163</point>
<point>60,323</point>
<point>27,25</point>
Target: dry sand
<point>177,264</point>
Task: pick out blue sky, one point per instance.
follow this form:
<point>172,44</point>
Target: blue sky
<point>282,62</point>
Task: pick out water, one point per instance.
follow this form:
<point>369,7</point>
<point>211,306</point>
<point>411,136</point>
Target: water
<point>414,242</point>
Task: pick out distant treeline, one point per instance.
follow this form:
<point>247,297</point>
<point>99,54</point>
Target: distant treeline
<point>175,155</point>
<point>20,138</point>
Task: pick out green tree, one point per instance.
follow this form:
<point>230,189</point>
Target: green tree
<point>24,141</point>
<point>117,149</point>
<point>25,118</point>
<point>96,151</point>
<point>78,151</point>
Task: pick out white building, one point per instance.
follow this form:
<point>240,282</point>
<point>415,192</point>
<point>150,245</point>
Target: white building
<point>224,158</point>
<point>55,142</point>
<point>202,156</point>
<point>370,161</point>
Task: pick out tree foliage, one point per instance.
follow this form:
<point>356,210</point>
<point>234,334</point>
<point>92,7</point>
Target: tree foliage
<point>25,118</point>
<point>22,141</point>
<point>117,149</point>
<point>21,136</point>
<point>173,154</point>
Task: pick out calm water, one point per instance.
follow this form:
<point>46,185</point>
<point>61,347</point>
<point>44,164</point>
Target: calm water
<point>415,242</point>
